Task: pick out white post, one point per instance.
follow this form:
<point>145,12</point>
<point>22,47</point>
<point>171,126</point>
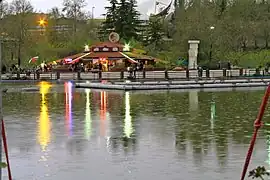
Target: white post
<point>193,53</point>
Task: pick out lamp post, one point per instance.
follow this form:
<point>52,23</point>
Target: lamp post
<point>93,8</point>
<point>211,41</point>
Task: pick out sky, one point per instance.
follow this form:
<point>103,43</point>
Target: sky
<point>144,6</point>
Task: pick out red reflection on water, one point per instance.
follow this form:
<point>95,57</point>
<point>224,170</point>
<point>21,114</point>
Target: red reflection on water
<point>103,111</point>
<point>68,105</point>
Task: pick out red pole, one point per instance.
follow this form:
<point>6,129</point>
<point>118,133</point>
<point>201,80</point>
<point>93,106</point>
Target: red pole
<point>257,125</point>
<point>6,149</point>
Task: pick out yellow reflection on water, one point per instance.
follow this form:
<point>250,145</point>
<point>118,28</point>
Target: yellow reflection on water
<point>88,120</point>
<point>44,121</point>
<point>128,121</point>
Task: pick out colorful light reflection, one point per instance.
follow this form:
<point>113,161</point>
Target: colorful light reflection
<point>68,91</point>
<point>103,111</point>
<point>88,119</point>
<point>128,130</point>
<point>44,124</point>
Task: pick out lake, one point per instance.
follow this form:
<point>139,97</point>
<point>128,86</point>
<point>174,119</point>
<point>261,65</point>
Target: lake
<point>64,133</point>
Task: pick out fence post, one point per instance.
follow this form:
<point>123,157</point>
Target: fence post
<point>78,75</point>
<point>100,75</point>
<point>18,74</point>
<point>207,73</point>
<point>122,75</point>
<point>38,75</point>
<point>224,72</point>
<point>200,72</point>
<point>58,75</point>
<point>143,73</point>
<point>241,72</point>
<point>257,72</point>
<point>187,73</point>
<point>166,74</point>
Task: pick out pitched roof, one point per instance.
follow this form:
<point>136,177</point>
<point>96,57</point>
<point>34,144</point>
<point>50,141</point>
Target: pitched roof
<point>108,44</point>
<point>105,55</point>
<point>139,56</point>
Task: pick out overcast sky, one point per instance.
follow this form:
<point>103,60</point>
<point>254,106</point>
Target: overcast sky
<point>144,6</point>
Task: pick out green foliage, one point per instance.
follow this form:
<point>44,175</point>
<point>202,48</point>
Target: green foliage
<point>110,21</point>
<point>258,172</point>
<point>250,59</point>
<point>240,28</point>
<point>64,34</point>
<point>155,33</point>
<point>127,25</point>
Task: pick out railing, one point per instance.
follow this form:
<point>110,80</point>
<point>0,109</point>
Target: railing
<point>155,75</point>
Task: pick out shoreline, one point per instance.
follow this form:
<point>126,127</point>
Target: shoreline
<point>165,85</point>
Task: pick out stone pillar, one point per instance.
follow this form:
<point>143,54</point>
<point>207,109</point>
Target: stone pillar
<point>193,53</point>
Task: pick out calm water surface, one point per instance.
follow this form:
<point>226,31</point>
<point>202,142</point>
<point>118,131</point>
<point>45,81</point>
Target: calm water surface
<point>59,133</point>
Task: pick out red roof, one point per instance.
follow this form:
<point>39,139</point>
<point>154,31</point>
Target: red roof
<point>105,55</point>
<point>108,44</point>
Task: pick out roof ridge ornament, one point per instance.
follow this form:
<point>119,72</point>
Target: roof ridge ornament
<point>114,37</point>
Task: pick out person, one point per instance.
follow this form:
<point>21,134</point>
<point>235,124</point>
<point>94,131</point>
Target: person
<point>100,66</point>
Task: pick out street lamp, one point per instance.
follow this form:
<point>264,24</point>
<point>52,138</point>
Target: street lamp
<point>93,8</point>
<point>42,23</point>
<point>211,41</point>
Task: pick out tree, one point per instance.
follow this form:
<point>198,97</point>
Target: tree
<point>3,9</point>
<point>74,11</point>
<point>3,14</point>
<point>111,18</point>
<point>128,25</point>
<point>20,9</point>
<point>155,32</point>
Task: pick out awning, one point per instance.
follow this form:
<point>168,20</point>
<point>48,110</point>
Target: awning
<point>78,58</point>
<point>129,58</point>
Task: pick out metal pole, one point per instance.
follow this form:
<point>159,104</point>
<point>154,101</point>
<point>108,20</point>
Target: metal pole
<point>93,8</point>
<point>1,113</point>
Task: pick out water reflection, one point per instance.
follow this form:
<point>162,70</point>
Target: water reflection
<point>128,121</point>
<point>44,121</point>
<point>193,101</point>
<point>88,120</point>
<point>213,114</point>
<point>103,113</point>
<point>150,119</point>
<point>68,93</point>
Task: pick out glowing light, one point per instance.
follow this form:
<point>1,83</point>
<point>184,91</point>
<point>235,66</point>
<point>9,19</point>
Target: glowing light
<point>68,91</point>
<point>103,111</point>
<point>126,47</point>
<point>213,114</point>
<point>128,130</point>
<point>86,48</point>
<point>88,120</point>
<point>44,124</point>
<point>212,27</point>
<point>42,22</point>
